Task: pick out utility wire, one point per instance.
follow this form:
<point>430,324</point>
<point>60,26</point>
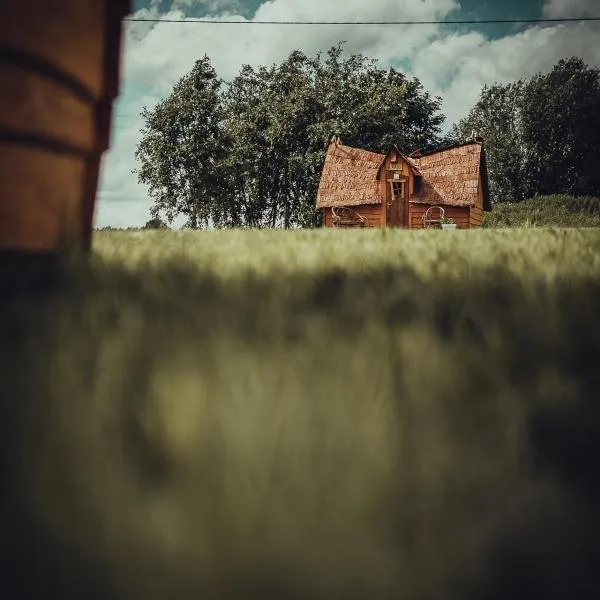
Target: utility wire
<point>124,198</point>
<point>457,22</point>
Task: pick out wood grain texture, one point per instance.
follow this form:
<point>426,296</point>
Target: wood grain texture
<point>59,74</point>
<point>460,215</point>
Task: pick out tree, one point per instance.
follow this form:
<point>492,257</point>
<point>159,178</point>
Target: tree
<point>542,135</point>
<point>155,223</point>
<point>497,118</point>
<point>281,119</point>
<point>561,129</point>
<point>183,147</point>
<point>250,153</point>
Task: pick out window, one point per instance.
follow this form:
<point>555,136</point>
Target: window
<point>398,189</point>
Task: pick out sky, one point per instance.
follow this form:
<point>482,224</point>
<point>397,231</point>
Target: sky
<point>451,61</point>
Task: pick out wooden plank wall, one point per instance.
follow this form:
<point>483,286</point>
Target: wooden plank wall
<point>476,216</point>
<point>371,211</point>
<point>477,210</point>
<point>460,214</point>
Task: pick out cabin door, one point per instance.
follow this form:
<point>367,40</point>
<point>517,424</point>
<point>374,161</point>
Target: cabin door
<point>397,202</point>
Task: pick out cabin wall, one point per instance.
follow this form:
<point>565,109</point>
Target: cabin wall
<point>385,195</point>
<point>372,212</point>
<point>460,214</point>
<point>476,213</point>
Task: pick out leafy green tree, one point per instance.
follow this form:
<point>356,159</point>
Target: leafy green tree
<point>182,149</point>
<point>561,129</point>
<point>542,135</point>
<point>374,108</point>
<point>497,118</point>
<point>250,153</point>
<point>281,119</point>
<point>155,223</point>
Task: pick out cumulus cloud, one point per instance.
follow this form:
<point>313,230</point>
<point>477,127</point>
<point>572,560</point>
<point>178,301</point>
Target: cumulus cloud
<point>561,9</point>
<point>457,66</point>
<point>452,65</point>
<point>208,6</point>
<point>169,50</point>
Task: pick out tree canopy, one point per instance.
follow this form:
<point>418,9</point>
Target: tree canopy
<point>250,152</point>
<point>183,147</point>
<point>542,135</point>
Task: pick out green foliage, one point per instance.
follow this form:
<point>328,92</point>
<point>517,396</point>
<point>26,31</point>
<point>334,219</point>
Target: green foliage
<point>309,414</point>
<point>155,223</point>
<point>546,211</point>
<point>182,150</point>
<point>250,153</point>
<point>542,135</point>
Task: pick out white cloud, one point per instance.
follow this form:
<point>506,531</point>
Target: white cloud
<point>454,66</point>
<point>561,9</point>
<point>124,212</point>
<point>207,6</point>
<point>169,50</point>
<point>457,67</point>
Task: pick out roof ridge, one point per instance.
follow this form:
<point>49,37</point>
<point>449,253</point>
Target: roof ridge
<point>344,148</point>
<point>450,147</point>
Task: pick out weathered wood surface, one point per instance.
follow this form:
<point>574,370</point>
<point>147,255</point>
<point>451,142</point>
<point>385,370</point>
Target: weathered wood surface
<point>59,68</point>
<point>372,212</point>
<point>459,214</point>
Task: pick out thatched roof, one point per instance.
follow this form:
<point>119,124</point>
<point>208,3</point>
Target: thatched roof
<point>413,165</point>
<point>350,177</point>
<point>451,176</point>
<point>407,159</point>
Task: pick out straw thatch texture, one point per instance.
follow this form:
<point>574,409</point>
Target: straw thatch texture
<point>450,176</point>
<point>350,177</point>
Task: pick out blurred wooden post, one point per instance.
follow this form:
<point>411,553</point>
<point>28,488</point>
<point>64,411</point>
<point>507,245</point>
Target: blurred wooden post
<point>59,76</point>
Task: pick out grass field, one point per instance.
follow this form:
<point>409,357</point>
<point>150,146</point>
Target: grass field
<point>560,210</point>
<point>316,414</point>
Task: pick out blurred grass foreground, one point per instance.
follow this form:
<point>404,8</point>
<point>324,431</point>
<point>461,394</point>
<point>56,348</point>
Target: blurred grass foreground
<point>305,415</point>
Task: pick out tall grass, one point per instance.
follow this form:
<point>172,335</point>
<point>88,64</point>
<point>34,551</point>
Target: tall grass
<point>322,414</point>
<point>546,211</point>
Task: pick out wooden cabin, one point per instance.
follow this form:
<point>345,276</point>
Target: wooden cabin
<point>365,188</point>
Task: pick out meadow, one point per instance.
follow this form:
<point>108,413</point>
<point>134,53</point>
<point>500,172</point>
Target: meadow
<point>305,415</point>
<point>559,210</point>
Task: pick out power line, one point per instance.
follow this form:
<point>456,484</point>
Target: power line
<point>457,22</point>
<point>124,198</point>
